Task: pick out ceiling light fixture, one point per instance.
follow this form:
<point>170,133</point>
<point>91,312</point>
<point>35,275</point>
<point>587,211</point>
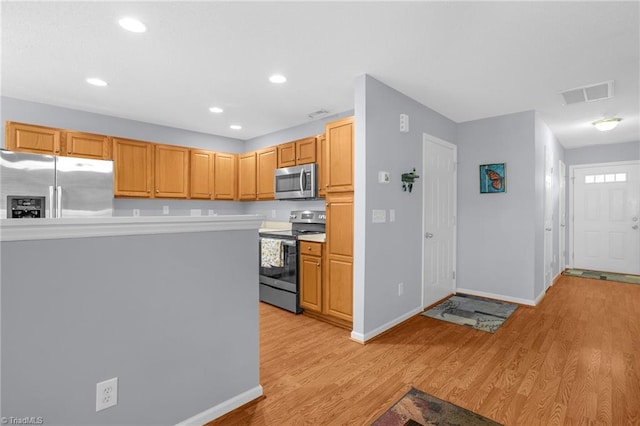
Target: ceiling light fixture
<point>96,82</point>
<point>132,24</point>
<point>216,110</point>
<point>278,79</point>
<point>235,127</point>
<point>606,124</point>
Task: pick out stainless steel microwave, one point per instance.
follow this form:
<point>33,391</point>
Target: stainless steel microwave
<point>297,182</point>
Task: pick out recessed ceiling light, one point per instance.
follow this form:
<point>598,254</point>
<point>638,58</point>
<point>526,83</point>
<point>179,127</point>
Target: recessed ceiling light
<point>132,24</point>
<point>278,79</point>
<point>96,82</point>
<point>217,110</point>
<point>235,127</point>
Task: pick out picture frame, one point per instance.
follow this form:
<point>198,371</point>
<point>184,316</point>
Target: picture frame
<point>493,178</point>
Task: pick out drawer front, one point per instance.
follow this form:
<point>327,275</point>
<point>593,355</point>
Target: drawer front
<point>311,248</point>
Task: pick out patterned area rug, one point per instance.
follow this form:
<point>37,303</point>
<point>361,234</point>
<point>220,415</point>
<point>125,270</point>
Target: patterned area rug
<point>474,312</point>
<point>419,408</point>
<point>597,275</point>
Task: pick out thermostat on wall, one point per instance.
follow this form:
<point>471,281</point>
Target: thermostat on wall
<point>384,177</point>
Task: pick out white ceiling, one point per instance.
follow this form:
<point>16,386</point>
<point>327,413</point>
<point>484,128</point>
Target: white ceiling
<point>466,60</point>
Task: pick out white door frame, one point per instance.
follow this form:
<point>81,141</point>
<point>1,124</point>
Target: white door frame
<point>427,137</point>
<point>562,216</point>
<point>572,193</point>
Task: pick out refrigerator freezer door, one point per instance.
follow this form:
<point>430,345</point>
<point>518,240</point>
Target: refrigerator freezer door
<point>84,187</point>
<point>26,175</point>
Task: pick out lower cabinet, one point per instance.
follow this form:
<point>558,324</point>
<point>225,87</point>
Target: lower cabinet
<point>311,276</point>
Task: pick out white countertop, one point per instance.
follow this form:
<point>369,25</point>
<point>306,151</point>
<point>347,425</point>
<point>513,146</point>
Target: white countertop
<point>318,238</point>
<point>48,229</point>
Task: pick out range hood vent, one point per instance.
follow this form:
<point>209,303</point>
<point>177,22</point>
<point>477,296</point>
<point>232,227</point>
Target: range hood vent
<point>591,93</point>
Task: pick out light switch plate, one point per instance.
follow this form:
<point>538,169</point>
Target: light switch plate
<point>379,216</point>
<point>384,177</point>
<point>404,123</point>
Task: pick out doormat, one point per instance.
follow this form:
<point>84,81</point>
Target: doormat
<point>598,275</point>
<point>419,408</point>
<point>474,312</point>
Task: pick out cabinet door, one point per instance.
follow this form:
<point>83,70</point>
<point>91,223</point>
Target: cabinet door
<point>201,172</point>
<point>306,151</point>
<point>171,171</point>
<point>320,155</point>
<point>339,224</point>
<point>87,145</point>
<point>267,160</point>
<point>224,180</point>
<point>339,288</point>
<point>133,168</point>
<point>34,139</point>
<point>339,156</point>
<point>287,154</point>
<point>311,282</point>
<point>247,176</point>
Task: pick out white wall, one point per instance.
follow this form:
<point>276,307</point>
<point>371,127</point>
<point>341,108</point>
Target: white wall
<point>496,232</point>
<point>386,254</point>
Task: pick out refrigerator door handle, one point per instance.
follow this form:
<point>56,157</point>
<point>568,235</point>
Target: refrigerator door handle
<point>59,202</point>
<point>51,201</point>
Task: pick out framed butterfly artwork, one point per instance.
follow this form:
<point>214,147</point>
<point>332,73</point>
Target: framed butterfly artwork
<point>493,178</point>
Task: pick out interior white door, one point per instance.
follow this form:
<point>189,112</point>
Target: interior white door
<point>562,213</point>
<point>607,218</point>
<point>548,217</point>
<point>439,211</point>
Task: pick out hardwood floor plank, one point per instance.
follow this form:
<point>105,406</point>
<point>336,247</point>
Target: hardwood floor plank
<point>573,359</point>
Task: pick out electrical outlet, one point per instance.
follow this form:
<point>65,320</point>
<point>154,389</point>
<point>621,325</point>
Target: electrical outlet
<point>400,289</point>
<point>165,209</point>
<point>136,212</point>
<point>212,212</point>
<point>106,394</point>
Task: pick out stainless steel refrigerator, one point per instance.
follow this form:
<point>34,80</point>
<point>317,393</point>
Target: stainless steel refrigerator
<point>46,186</point>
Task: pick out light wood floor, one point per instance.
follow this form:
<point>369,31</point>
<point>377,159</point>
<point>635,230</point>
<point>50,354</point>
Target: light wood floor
<point>573,359</point>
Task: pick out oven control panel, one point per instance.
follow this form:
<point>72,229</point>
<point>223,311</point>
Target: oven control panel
<point>308,216</point>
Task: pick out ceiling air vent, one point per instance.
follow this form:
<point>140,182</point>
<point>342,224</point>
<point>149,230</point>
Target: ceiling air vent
<point>317,114</point>
<point>591,93</point>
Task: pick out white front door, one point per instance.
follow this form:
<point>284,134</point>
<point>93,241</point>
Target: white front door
<point>439,211</point>
<point>606,223</point>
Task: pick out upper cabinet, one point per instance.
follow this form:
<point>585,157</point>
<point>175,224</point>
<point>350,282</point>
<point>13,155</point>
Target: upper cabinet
<point>51,141</point>
<point>171,171</point>
<point>298,152</point>
<point>133,168</point>
<point>87,145</point>
<point>201,174</point>
<point>321,144</point>
<point>34,139</point>
<point>224,180</point>
<point>338,161</point>
<point>247,176</point>
<point>267,162</point>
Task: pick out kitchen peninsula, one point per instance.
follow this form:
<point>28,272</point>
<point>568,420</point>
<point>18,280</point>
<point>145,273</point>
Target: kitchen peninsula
<point>168,305</point>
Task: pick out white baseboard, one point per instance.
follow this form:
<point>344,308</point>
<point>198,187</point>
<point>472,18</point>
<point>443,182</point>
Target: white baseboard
<point>223,408</point>
<point>502,297</point>
<point>362,338</point>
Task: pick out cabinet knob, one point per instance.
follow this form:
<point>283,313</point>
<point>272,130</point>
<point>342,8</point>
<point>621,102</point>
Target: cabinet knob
<point>157,191</point>
<point>309,248</point>
<point>318,264</point>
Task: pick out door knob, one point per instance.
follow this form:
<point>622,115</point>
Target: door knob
<point>428,235</point>
<point>635,227</point>
<point>635,219</point>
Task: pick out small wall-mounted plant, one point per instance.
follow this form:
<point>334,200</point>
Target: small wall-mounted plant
<point>407,180</point>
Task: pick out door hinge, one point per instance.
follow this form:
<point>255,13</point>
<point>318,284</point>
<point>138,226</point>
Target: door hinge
<point>453,275</point>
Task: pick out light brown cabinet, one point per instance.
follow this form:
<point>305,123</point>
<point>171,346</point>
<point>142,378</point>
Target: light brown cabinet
<point>320,159</point>
<point>224,181</point>
<point>247,176</point>
<point>33,139</point>
<point>311,276</point>
<point>267,162</point>
<point>133,168</point>
<point>171,171</point>
<point>338,161</point>
<point>339,229</point>
<point>87,145</point>
<point>201,174</point>
<point>298,152</point>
